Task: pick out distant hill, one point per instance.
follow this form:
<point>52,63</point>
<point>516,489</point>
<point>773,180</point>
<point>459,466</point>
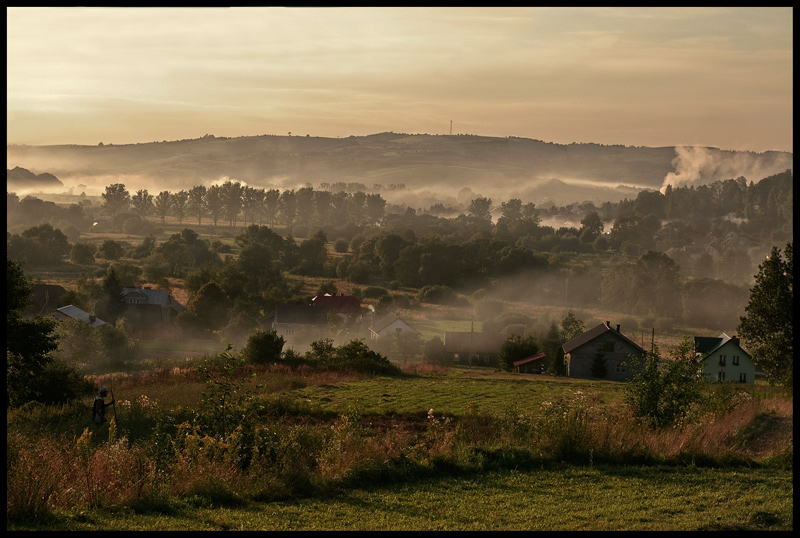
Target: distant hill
<point>501,168</point>
<point>20,178</point>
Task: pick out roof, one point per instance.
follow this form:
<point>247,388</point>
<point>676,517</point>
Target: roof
<point>74,312</point>
<point>159,297</point>
<point>532,358</point>
<point>340,303</point>
<point>46,296</point>
<point>385,321</point>
<point>470,341</point>
<point>706,345</point>
<point>593,333</point>
<point>299,314</point>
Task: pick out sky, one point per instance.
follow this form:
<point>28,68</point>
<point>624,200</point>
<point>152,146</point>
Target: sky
<point>665,76</point>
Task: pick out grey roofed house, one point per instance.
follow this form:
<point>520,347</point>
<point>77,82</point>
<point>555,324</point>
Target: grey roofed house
<point>151,296</point>
<point>604,343</point>
<point>390,324</point>
<point>149,308</point>
<point>474,348</point>
<point>291,320</point>
<point>73,312</point>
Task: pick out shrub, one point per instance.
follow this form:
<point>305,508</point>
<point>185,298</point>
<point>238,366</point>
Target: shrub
<point>263,347</point>
<point>374,292</point>
<point>443,295</point>
<point>341,245</point>
<point>82,254</point>
<point>662,393</point>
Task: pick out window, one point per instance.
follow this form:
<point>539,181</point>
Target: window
<point>620,368</point>
<point>456,357</point>
<point>721,376</point>
<point>722,360</point>
<point>743,378</point>
<point>398,330</point>
<point>608,346</point>
<point>735,360</point>
<point>486,358</point>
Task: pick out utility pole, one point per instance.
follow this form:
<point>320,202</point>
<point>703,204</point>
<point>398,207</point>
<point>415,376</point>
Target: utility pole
<point>451,127</point>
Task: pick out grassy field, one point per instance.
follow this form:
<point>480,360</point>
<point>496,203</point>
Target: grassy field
<point>557,498</point>
<point>434,449</point>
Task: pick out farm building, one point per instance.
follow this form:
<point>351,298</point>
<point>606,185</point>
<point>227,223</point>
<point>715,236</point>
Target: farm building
<point>389,325</point>
<point>344,305</point>
<point>73,312</point>
<point>297,322</point>
<point>474,348</point>
<point>147,309</point>
<point>723,359</point>
<point>535,364</point>
<point>601,352</point>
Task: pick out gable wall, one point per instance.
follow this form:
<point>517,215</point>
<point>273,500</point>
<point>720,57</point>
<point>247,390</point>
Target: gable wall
<point>712,367</point>
<point>394,326</point>
<point>581,359</point>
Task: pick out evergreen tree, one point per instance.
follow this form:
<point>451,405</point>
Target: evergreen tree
<point>571,327</point>
<point>516,348</point>
<point>766,329</point>
<point>599,368</point>
<point>29,342</point>
<point>112,288</point>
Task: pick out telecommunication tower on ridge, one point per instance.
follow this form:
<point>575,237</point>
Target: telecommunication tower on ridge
<point>451,127</point>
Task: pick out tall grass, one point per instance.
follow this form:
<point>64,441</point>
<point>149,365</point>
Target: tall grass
<point>282,448</point>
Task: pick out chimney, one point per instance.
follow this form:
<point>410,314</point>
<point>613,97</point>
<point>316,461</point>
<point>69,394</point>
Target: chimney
<point>617,327</point>
<point>608,324</point>
<point>92,318</point>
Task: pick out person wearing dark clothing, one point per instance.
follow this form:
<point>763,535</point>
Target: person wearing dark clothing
<point>99,408</point>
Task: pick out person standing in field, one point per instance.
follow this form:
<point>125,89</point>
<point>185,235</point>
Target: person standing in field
<point>99,407</point>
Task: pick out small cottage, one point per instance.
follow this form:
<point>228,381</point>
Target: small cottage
<point>147,310</point>
<point>474,348</point>
<point>723,359</point>
<point>602,352</point>
<point>343,305</point>
<point>297,322</point>
<point>535,364</point>
<point>389,325</point>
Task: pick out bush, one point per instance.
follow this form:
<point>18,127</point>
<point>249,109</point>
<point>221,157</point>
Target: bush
<point>443,295</point>
<point>662,393</point>
<point>263,348</point>
<point>341,245</point>
<point>374,292</point>
<point>355,355</point>
<point>82,254</point>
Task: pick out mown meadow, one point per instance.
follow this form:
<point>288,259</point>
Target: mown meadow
<point>218,445</point>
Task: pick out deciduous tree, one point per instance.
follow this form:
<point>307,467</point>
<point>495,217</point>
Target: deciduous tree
<point>116,198</point>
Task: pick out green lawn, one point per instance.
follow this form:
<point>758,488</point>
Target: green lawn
<point>566,498</point>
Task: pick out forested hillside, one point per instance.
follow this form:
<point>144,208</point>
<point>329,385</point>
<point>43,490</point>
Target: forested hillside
<point>682,257</point>
<point>420,165</point>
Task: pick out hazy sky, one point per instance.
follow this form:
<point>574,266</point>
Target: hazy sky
<point>669,76</point>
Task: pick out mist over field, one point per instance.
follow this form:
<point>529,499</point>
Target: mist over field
<point>413,170</point>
